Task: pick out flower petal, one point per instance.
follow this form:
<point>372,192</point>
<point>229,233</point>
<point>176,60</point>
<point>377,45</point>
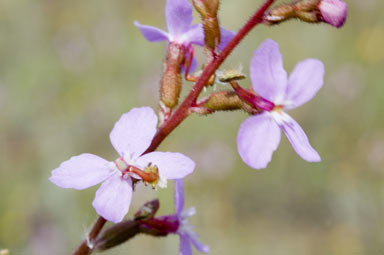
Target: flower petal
<point>179,195</point>
<point>304,82</point>
<point>194,35</point>
<point>113,198</point>
<point>299,140</point>
<point>172,165</point>
<point>134,131</point>
<point>81,172</point>
<point>198,245</point>
<point>179,16</point>
<point>259,136</point>
<point>269,79</point>
<point>185,245</point>
<point>152,34</point>
<point>226,36</point>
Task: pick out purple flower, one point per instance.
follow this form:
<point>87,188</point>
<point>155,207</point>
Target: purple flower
<point>259,135</point>
<point>130,137</point>
<point>333,12</point>
<point>185,230</point>
<point>176,224</point>
<point>179,18</point>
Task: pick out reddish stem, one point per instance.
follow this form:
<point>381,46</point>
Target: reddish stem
<point>84,249</point>
<point>183,111</point>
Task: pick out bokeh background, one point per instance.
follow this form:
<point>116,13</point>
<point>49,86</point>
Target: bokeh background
<point>69,69</point>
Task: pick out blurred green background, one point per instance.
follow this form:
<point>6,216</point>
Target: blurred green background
<point>69,69</point>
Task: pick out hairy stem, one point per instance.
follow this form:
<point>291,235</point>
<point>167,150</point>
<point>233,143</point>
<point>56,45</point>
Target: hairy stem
<point>183,110</point>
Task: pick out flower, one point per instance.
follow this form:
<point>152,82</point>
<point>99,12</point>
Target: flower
<point>176,224</point>
<point>333,12</point>
<point>185,230</point>
<point>130,137</point>
<point>259,135</point>
<point>179,17</point>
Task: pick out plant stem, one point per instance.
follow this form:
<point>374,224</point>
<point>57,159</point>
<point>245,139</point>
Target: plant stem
<point>84,248</point>
<point>183,111</point>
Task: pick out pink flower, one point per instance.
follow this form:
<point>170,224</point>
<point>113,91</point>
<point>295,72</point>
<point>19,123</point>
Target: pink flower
<point>333,12</point>
<point>130,137</point>
<point>259,135</point>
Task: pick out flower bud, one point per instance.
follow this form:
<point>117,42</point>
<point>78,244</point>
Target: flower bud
<point>226,100</point>
<point>208,12</point>
<point>148,210</point>
<point>116,235</point>
<point>333,12</point>
<point>170,86</point>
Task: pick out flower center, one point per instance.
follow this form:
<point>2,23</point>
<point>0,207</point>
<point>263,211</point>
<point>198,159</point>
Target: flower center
<point>148,174</point>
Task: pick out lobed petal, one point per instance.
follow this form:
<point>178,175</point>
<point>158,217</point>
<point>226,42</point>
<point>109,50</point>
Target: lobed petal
<point>179,195</point>
<point>152,34</point>
<point>304,82</point>
<point>258,137</point>
<point>226,37</point>
<point>198,245</point>
<point>179,16</point>
<point>172,165</point>
<point>185,245</point>
<point>113,198</point>
<point>269,79</point>
<point>299,140</point>
<point>81,172</point>
<point>134,131</point>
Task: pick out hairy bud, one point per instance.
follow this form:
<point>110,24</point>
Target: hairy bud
<point>333,12</point>
<point>226,100</point>
<point>208,12</point>
<point>170,86</point>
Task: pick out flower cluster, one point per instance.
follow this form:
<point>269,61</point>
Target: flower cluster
<point>138,132</point>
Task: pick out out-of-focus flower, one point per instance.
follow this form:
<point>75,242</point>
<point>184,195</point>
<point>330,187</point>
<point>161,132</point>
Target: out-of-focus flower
<point>259,135</point>
<point>185,230</point>
<point>179,18</point>
<point>333,12</point>
<point>176,224</point>
<point>131,136</point>
<point>178,14</point>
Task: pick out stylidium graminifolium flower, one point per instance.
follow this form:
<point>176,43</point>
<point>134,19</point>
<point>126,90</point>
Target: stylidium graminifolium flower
<point>259,135</point>
<point>130,137</point>
<point>177,223</point>
<point>178,14</point>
